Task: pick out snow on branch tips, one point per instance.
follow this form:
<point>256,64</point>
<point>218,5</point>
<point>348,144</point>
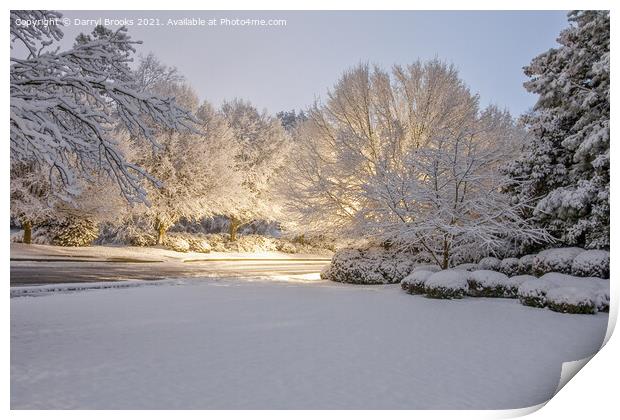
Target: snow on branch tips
<point>67,106</point>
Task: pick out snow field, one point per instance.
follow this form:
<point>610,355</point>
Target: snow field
<point>234,344</point>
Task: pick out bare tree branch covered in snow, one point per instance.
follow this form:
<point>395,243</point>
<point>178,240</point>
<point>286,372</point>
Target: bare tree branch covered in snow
<point>66,106</point>
<point>408,157</point>
<point>34,37</point>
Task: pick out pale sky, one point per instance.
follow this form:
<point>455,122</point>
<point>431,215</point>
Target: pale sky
<point>285,67</point>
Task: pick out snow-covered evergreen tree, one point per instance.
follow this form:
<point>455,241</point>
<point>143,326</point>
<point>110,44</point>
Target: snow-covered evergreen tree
<point>565,166</point>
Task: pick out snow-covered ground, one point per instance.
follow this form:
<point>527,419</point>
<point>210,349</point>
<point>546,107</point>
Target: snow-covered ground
<point>232,343</point>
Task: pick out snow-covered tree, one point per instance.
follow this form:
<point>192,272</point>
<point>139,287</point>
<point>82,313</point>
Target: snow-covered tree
<point>290,120</point>
<point>407,157</point>
<point>35,203</point>
<point>261,148</point>
<point>195,171</point>
<point>32,200</point>
<point>565,167</point>
<point>66,105</point>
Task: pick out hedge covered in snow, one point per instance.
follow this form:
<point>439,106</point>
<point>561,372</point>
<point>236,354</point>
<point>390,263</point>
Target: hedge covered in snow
<point>592,263</point>
<point>447,284</point>
<point>467,267</point>
<point>510,266</point>
<point>555,260</point>
<point>490,277</point>
<point>415,283</point>
<point>486,283</point>
<point>526,264</point>
<point>566,293</point>
<point>574,300</point>
<point>575,261</point>
<point>374,265</point>
<point>490,263</point>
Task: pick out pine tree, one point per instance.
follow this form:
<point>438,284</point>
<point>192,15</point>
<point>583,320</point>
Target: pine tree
<point>565,166</point>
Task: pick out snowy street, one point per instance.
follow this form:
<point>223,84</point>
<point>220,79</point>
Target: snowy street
<point>238,343</point>
<point>41,264</point>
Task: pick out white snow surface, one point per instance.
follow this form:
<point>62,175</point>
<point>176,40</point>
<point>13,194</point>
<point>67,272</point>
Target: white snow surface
<point>516,281</point>
<point>572,295</point>
<point>217,343</point>
<point>35,290</point>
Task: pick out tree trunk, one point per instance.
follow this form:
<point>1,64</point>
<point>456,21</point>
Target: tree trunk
<point>161,232</point>
<point>234,226</point>
<point>446,254</point>
<point>27,226</point>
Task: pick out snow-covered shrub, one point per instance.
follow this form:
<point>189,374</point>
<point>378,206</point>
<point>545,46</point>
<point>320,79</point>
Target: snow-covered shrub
<point>142,239</point>
<point>67,232</point>
<point>427,267</point>
<point>414,283</point>
<point>197,244</point>
<point>403,268</point>
<point>510,266</point>
<point>601,296</point>
<point>245,243</point>
<point>310,244</point>
<point>387,268</point>
<point>511,286</point>
<point>526,264</point>
<point>592,263</point>
<point>372,265</point>
<point>17,236</point>
<point>446,284</point>
<point>350,266</point>
<point>134,232</point>
<point>489,263</point>
<point>176,243</point>
<point>555,260</point>
<point>486,283</point>
<point>467,267</point>
<point>573,300</point>
<point>286,247</point>
<point>534,292</point>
